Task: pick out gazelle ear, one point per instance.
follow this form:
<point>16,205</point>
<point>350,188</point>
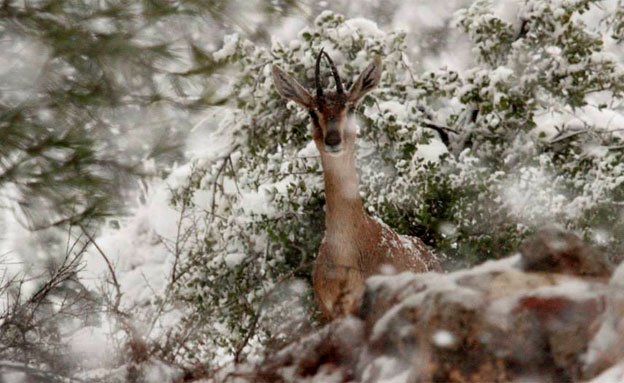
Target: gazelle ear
<point>367,81</point>
<point>289,88</point>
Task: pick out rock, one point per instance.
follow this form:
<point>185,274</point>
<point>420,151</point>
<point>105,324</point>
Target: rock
<point>329,355</point>
<point>553,330</point>
<point>607,347</point>
<point>555,250</point>
<point>491,323</point>
<point>545,315</point>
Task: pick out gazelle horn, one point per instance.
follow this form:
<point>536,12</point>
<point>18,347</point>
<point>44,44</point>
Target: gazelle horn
<point>335,73</point>
<point>317,77</point>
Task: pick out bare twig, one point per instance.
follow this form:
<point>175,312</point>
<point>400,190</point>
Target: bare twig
<point>562,136</point>
<point>177,250</point>
<point>178,247</point>
<point>215,184</point>
<point>258,313</point>
<point>110,269</point>
<point>442,131</point>
<point>234,173</point>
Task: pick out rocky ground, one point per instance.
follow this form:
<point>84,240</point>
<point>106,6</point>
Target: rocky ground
<point>552,313</point>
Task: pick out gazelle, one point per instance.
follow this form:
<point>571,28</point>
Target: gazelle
<point>355,246</point>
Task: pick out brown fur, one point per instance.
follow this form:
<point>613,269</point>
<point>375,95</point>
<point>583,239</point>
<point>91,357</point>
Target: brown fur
<point>356,246</point>
<point>339,285</point>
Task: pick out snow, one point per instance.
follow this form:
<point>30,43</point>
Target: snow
<point>213,135</point>
<point>394,107</point>
<point>92,346</point>
<point>493,266</point>
<point>604,340</point>
<point>443,339</point>
<point>22,253</point>
<point>617,280</point>
<point>501,74</point>
<point>21,61</point>
<point>432,151</point>
<point>357,26</point>
<point>421,16</point>
<point>608,338</point>
<point>101,24</point>
<point>287,30</point>
<point>579,119</point>
<point>531,195</point>
<point>158,214</point>
<point>386,370</point>
<point>135,246</point>
<point>14,376</point>
<point>159,372</point>
<point>309,150</point>
<point>431,39</point>
<point>508,11</point>
<point>258,201</point>
<point>613,375</point>
<point>229,47</point>
<point>234,259</point>
<point>574,289</point>
<point>596,151</point>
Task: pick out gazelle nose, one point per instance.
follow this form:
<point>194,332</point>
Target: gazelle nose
<point>332,139</point>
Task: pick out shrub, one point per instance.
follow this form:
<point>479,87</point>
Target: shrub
<point>471,162</point>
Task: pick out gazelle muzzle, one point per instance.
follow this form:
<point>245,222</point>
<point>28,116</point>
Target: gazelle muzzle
<point>332,140</point>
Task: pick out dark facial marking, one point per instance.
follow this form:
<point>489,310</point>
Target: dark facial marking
<point>314,118</point>
<point>288,91</point>
<point>368,82</point>
<point>368,79</point>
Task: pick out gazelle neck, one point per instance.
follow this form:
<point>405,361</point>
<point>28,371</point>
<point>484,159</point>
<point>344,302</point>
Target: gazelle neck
<point>343,210</point>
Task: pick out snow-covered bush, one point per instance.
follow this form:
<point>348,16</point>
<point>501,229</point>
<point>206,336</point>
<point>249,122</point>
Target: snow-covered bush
<point>470,162</point>
<point>545,114</point>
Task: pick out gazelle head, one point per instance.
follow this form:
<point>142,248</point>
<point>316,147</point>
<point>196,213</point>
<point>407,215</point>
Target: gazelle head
<point>332,130</point>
